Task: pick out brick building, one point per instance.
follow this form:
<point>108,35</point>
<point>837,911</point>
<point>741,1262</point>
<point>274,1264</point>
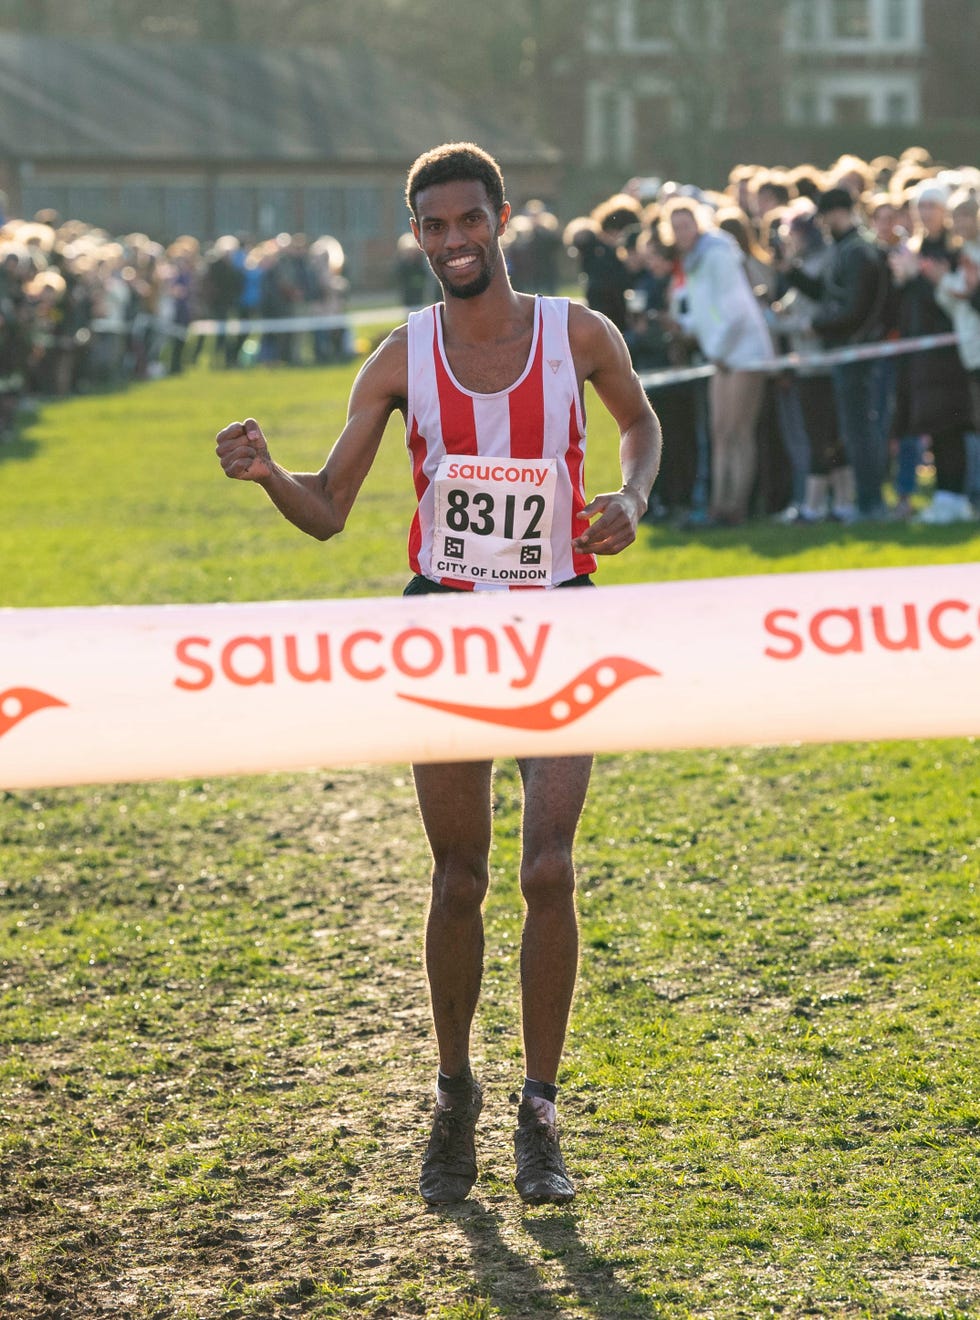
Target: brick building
<point>685,88</point>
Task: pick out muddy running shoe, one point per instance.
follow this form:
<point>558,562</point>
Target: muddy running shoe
<point>449,1162</point>
<point>542,1178</point>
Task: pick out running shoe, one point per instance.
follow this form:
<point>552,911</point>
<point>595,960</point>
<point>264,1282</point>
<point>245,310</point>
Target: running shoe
<point>542,1178</point>
<point>449,1163</point>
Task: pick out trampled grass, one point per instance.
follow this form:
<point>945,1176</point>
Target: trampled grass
<point>216,1060</point>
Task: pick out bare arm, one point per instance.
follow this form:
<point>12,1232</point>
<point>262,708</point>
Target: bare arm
<point>319,502</point>
<point>601,357</point>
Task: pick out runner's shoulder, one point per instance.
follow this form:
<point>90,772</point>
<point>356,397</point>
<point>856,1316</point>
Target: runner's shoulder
<point>592,337</point>
<point>585,324</point>
<point>386,369</point>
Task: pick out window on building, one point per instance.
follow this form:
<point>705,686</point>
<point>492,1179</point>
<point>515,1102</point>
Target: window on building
<point>275,211</point>
<point>600,24</point>
<point>607,126</point>
<point>652,117</point>
<point>140,205</point>
<point>851,20</point>
<point>898,108</point>
<point>184,209</point>
<point>323,211</point>
<point>92,202</point>
<point>47,196</point>
<point>896,20</point>
<point>363,203</point>
<point>851,110</point>
<point>653,20</point>
<point>234,209</point>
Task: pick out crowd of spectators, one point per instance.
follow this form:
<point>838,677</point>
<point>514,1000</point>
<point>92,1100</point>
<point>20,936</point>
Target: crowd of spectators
<point>81,309</point>
<point>799,260</point>
<point>806,261</point>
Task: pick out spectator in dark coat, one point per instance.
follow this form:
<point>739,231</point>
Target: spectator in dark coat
<point>606,275</point>
<point>852,293</point>
<point>654,346</point>
<point>224,280</point>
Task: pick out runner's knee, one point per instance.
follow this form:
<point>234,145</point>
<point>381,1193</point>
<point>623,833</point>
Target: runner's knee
<point>459,884</point>
<point>548,877</point>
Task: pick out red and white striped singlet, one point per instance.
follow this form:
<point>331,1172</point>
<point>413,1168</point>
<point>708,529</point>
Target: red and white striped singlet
<point>498,477</point>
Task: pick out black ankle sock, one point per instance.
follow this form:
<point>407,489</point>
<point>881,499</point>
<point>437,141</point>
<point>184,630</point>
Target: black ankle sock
<point>458,1085</point>
<point>539,1090</point>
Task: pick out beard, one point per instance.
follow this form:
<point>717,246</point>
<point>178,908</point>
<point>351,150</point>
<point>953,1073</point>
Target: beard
<point>479,284</point>
<point>471,290</point>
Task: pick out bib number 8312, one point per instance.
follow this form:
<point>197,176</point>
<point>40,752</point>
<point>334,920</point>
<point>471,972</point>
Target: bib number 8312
<point>482,515</point>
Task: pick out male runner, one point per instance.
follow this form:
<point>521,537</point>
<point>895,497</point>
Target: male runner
<point>488,373</point>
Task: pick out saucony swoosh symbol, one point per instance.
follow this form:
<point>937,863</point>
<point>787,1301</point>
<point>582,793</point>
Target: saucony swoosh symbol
<point>568,704</point>
<point>17,703</point>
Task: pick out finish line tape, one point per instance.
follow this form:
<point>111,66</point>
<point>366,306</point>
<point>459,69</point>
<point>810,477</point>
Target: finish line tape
<point>108,694</point>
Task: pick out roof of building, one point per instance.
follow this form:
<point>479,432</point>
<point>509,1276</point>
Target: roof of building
<point>165,101</point>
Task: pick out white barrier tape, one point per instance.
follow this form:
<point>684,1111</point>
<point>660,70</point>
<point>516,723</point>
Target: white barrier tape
<point>796,361</point>
<point>254,325</point>
<point>154,692</point>
<point>269,325</point>
<point>649,380</point>
<point>140,325</point>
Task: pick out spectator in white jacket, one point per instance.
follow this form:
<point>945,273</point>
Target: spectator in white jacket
<point>715,306</point>
<point>958,294</point>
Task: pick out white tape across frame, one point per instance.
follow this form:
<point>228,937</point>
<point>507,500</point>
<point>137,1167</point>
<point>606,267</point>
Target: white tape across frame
<point>131,693</point>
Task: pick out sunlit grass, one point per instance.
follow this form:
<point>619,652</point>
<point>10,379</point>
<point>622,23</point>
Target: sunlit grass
<point>215,1055</point>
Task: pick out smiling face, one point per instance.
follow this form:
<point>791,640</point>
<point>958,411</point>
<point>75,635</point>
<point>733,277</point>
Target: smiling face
<point>459,231</point>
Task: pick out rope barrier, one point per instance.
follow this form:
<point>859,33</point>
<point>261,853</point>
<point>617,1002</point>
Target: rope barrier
<point>267,325</point>
<point>244,326</point>
<point>797,361</point>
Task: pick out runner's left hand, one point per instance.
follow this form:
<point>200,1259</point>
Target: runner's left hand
<point>616,516</point>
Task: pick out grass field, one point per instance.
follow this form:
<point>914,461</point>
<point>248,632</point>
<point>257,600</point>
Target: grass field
<point>215,1054</point>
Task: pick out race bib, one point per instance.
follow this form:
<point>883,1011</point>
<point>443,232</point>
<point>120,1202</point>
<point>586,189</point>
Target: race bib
<point>493,520</point>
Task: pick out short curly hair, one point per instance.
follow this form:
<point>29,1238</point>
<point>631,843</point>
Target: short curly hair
<point>455,162</point>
